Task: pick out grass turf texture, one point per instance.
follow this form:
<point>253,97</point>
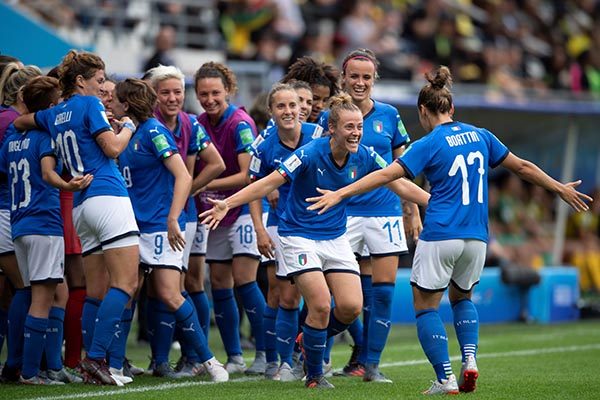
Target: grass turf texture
<point>516,361</point>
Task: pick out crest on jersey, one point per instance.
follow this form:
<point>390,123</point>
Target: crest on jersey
<point>136,145</point>
<point>378,126</point>
<point>302,259</point>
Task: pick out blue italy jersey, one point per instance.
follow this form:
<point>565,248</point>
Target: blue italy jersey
<point>384,132</point>
<point>312,166</point>
<point>74,125</point>
<point>199,141</point>
<point>149,183</point>
<point>455,158</point>
<point>268,156</point>
<point>34,204</point>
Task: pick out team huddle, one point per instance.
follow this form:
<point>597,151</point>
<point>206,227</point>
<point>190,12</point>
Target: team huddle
<point>110,184</point>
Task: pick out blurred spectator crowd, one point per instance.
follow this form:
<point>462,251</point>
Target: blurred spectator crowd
<point>511,44</point>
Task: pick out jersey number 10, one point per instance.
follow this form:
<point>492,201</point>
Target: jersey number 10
<point>459,164</point>
<point>69,152</point>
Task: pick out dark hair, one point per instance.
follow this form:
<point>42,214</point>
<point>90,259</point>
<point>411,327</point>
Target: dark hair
<point>75,64</point>
<point>314,72</point>
<point>40,92</point>
<point>278,87</point>
<point>436,95</point>
<point>217,70</point>
<point>337,104</point>
<point>5,60</point>
<point>140,97</point>
<point>13,78</point>
<point>361,54</point>
<point>259,111</point>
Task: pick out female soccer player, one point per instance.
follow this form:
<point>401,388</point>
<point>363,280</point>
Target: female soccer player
<point>316,252</point>
<point>159,186</point>
<point>14,77</point>
<point>286,135</point>
<point>192,142</point>
<point>455,158</point>
<point>103,214</point>
<point>28,158</point>
<point>231,253</point>
<point>375,221</point>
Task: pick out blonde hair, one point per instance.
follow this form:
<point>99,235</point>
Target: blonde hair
<point>337,104</point>
<point>13,78</point>
<point>162,73</point>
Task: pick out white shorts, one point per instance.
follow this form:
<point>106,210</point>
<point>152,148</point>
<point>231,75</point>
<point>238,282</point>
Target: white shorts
<point>156,252</point>
<point>438,263</point>
<point>190,233</point>
<point>302,255</point>
<point>6,242</point>
<point>236,240</point>
<point>41,259</point>
<point>105,222</point>
<point>200,240</point>
<point>382,236</point>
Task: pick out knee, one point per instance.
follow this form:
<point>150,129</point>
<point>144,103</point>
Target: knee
<point>320,312</point>
<point>289,302</point>
<point>348,311</point>
<point>221,281</point>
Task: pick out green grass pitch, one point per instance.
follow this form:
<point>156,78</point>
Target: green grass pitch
<point>516,361</point>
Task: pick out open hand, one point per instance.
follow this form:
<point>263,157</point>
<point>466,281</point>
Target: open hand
<point>79,183</point>
<point>324,202</point>
<point>575,199</point>
<point>213,217</point>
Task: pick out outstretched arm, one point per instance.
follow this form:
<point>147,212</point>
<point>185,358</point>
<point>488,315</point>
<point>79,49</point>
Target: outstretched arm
<point>530,172</point>
<point>408,190</point>
<point>254,191</point>
<point>365,184</point>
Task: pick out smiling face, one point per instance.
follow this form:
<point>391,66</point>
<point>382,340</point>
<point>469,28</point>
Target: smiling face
<point>212,95</point>
<point>305,103</point>
<point>347,132</point>
<point>284,109</point>
<point>92,86</point>
<point>171,95</point>
<point>358,79</point>
<point>106,94</point>
<point>118,109</point>
<point>320,96</point>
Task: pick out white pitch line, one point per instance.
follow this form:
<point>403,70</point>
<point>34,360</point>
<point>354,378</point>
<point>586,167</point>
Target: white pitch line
<point>169,386</point>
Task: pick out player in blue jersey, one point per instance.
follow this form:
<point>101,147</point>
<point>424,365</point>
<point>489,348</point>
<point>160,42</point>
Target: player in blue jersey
<point>159,186</point>
<point>376,225</point>
<point>231,254</point>
<point>28,159</point>
<point>455,158</point>
<point>13,78</point>
<point>192,142</point>
<point>316,252</point>
<point>102,213</point>
<point>289,134</point>
<point>323,81</point>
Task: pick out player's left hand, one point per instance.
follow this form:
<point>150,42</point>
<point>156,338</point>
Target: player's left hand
<point>265,244</point>
<point>213,217</point>
<point>79,183</point>
<point>174,235</point>
<point>324,202</point>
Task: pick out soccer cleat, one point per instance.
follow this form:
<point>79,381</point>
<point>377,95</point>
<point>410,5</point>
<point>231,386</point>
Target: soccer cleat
<point>259,365</point>
<point>318,382</point>
<point>372,374</point>
<point>190,368</point>
<point>10,374</point>
<point>272,371</point>
<point>446,386</point>
<point>98,370</point>
<point>117,375</point>
<point>353,368</point>
<point>235,365</point>
<point>38,380</point>
<point>289,374</point>
<point>216,370</point>
<point>164,370</point>
<point>468,375</point>
<point>151,366</point>
<point>131,370</point>
<point>64,375</point>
